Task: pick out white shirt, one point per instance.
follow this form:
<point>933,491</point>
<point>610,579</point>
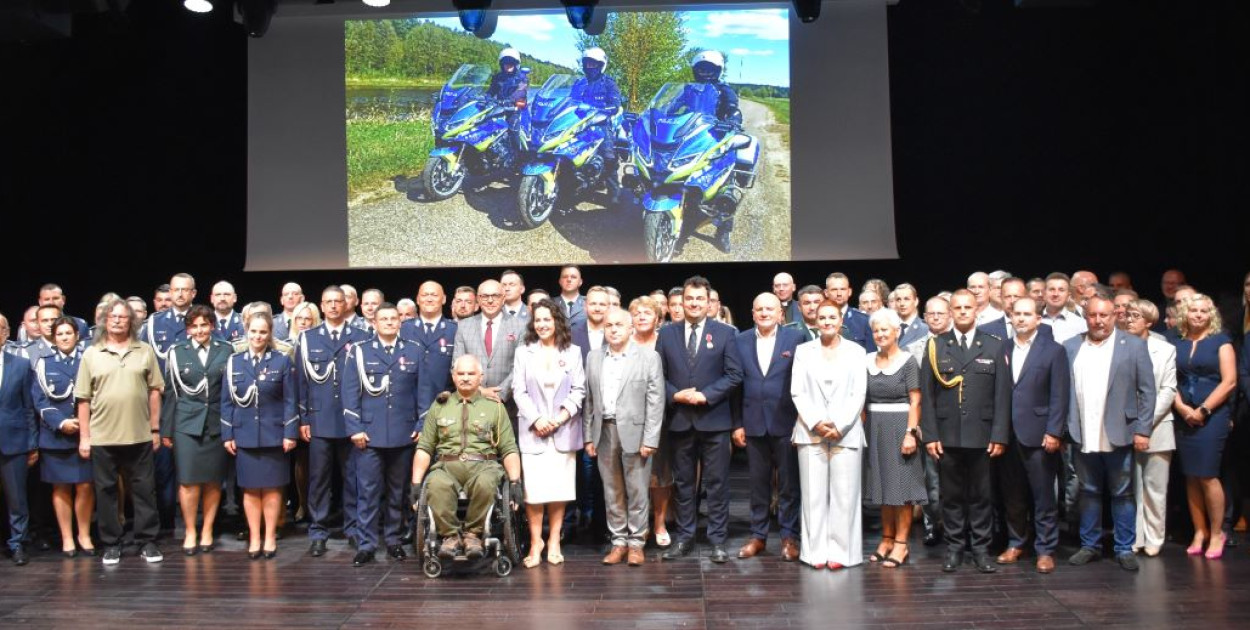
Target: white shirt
<point>595,337</point>
<point>331,330</point>
<point>1020,353</point>
<point>201,352</point>
<point>494,328</point>
<point>1090,375</point>
<point>987,315</point>
<point>764,346</point>
<point>971,337</point>
<point>613,373</point>
<point>1065,325</point>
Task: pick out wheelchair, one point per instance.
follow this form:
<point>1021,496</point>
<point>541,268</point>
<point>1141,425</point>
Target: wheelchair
<point>500,536</point>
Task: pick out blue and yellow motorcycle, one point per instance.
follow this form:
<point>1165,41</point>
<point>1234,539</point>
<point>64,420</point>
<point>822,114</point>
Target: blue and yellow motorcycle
<point>687,167</point>
<point>470,133</point>
<point>561,139</point>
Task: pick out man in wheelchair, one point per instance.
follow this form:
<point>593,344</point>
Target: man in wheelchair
<point>464,439</point>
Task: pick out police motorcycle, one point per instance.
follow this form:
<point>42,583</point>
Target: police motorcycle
<point>687,167</point>
<point>560,138</point>
<point>470,133</point>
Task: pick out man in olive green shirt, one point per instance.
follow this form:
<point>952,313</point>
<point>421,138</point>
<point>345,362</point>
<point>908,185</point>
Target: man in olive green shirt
<point>119,408</point>
<point>464,437</point>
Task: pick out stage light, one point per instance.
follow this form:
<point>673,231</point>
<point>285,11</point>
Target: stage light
<point>197,6</point>
<point>255,15</point>
<point>807,10</point>
<point>581,13</point>
<point>476,17</point>
<point>378,3</point>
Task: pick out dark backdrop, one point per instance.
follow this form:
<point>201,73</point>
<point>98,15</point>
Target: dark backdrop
<point>1109,137</point>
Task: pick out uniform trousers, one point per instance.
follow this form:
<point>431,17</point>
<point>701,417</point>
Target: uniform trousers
<point>323,455</point>
<point>1150,488</point>
<point>626,496</point>
<point>831,478</point>
<point>442,490</point>
<point>13,473</point>
<point>967,506</point>
<point>765,454</point>
<point>382,476</point>
<point>135,462</point>
<point>933,509</point>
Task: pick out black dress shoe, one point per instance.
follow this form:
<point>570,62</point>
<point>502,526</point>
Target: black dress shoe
<point>983,563</point>
<point>677,550</point>
<point>719,555</point>
<point>362,558</point>
<point>397,552</point>
<point>952,561</point>
<point>270,554</point>
<point>254,555</point>
<point>317,548</point>
<point>20,558</point>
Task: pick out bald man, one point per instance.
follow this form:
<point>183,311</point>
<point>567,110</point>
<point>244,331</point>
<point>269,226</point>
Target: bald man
<point>436,336</point>
<point>493,339</point>
<point>783,288</point>
<point>229,324</point>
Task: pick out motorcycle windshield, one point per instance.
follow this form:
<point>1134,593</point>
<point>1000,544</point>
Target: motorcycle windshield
<point>468,83</point>
<point>678,106</point>
<point>551,97</point>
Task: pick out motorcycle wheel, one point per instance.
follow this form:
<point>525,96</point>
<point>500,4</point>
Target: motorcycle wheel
<point>441,181</point>
<point>660,236</point>
<point>533,204</point>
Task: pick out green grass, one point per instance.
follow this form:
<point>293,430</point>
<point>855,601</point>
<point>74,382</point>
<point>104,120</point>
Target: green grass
<point>393,82</point>
<point>779,106</point>
<point>378,150</point>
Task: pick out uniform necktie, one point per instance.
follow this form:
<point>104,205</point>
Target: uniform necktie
<point>570,311</point>
<point>255,360</point>
<point>203,352</point>
<point>390,350</point>
<point>814,334</point>
<point>221,323</point>
<point>179,317</point>
<point>429,328</point>
<point>489,340</point>
<point>963,342</point>
<point>334,336</point>
<point>692,346</point>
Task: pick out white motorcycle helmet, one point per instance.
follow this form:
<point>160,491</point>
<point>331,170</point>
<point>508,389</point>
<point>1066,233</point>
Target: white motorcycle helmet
<point>509,54</point>
<point>596,54</point>
<point>707,66</point>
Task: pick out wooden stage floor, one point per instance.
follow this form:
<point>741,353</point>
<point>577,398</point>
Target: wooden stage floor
<point>226,590</point>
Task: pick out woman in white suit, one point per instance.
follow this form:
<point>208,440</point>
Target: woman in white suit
<point>1150,481</point>
<point>829,383</point>
<point>548,385</point>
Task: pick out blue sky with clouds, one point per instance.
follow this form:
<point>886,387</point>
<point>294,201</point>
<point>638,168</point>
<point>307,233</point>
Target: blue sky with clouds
<point>757,41</point>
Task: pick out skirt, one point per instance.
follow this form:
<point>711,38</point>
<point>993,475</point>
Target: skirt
<point>262,468</point>
<point>662,464</point>
<point>58,466</point>
<point>1201,450</point>
<point>199,459</point>
<point>889,477</point>
<point>550,476</point>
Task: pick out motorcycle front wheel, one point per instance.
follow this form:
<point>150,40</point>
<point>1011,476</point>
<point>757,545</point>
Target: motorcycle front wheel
<point>533,203</point>
<point>440,180</point>
<point>660,234</point>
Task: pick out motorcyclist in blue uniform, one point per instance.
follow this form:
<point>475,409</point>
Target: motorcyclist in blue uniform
<point>707,67</point>
<point>599,90</point>
<point>510,86</point>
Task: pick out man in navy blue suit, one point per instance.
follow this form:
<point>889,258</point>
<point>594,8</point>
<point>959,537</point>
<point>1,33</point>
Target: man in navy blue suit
<point>701,372</point>
<point>1039,414</point>
<point>767,419</point>
<point>18,437</point>
<point>854,321</point>
<point>1011,290</point>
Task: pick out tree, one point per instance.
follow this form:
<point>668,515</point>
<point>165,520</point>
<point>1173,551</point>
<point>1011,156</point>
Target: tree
<point>645,49</point>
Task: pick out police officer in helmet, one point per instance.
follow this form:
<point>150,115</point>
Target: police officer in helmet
<point>509,84</point>
<point>599,90</point>
<point>707,67</point>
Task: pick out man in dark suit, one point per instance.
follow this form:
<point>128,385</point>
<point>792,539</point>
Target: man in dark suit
<point>1011,290</point>
<point>783,288</point>
<point>1110,414</point>
<point>571,300</point>
<point>854,321</point>
<point>907,304</point>
<point>435,335</point>
<point>965,417</point>
<point>1039,415</point>
<point>809,300</point>
<point>768,415</point>
<point>19,436</point>
<point>229,324</point>
<point>701,371</point>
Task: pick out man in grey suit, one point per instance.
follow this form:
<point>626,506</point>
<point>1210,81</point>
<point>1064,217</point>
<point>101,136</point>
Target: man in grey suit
<point>493,339</point>
<point>624,414</point>
<point>1111,414</point>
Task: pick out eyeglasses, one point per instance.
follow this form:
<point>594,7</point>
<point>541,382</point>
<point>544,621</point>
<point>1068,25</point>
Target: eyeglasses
<point>488,296</point>
<point>1133,316</point>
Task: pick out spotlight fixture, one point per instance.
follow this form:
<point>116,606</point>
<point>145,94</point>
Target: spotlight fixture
<point>255,15</point>
<point>378,3</point>
<point>807,10</point>
<point>581,13</point>
<point>197,6</point>
<point>475,17</point>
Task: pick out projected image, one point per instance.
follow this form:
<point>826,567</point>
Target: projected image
<point>664,139</point>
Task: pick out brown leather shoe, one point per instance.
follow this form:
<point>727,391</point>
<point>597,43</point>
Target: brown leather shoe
<point>616,556</point>
<point>751,549</point>
<point>1045,564</point>
<point>1010,556</point>
<point>473,546</point>
<point>637,557</point>
<point>789,549</point>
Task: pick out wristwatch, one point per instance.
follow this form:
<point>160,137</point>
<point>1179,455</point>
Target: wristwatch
<point>914,432</point>
<point>1206,413</point>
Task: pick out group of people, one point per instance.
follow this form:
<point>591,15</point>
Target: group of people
<point>988,408</point>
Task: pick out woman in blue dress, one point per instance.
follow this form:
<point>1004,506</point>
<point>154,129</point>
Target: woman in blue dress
<point>259,426</point>
<point>1206,375</point>
<point>73,498</point>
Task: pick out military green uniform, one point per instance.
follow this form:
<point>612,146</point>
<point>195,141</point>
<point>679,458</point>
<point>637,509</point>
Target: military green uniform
<point>467,440</point>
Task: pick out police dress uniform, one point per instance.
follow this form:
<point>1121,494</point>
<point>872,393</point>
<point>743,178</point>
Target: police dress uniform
<point>436,342</point>
<point>191,410</point>
<point>53,393</point>
<point>228,328</point>
<point>380,391</point>
<point>258,411</point>
<point>320,357</point>
<point>162,331</point>
<point>466,438</point>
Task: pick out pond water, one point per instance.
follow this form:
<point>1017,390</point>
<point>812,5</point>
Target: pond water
<point>392,103</point>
